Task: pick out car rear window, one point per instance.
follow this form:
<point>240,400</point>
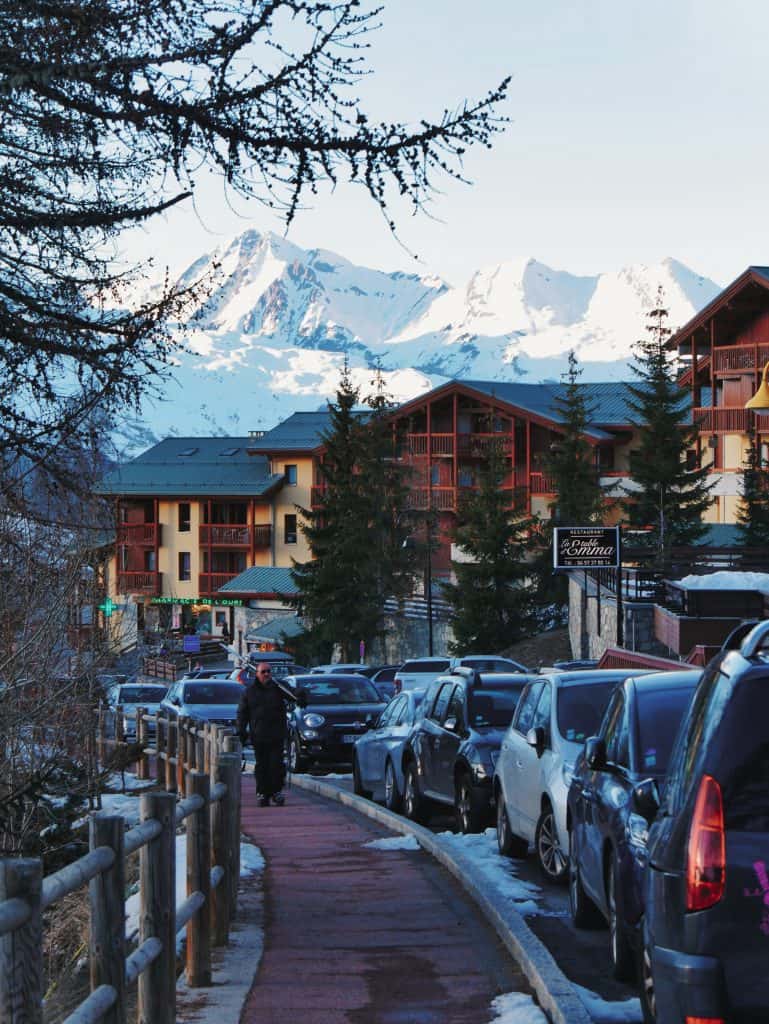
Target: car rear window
<point>213,693</point>
<point>137,694</point>
<point>492,709</point>
<point>338,690</point>
<point>659,716</point>
<point>744,768</point>
<point>581,708</point>
<point>439,665</point>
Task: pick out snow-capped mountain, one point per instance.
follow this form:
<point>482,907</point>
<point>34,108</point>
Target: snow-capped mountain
<point>279,320</point>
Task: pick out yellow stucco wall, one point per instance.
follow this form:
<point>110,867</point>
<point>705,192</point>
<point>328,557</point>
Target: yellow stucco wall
<point>284,504</point>
<point>175,542</point>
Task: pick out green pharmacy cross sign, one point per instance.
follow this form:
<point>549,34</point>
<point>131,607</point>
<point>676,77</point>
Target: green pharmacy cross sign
<point>107,607</point>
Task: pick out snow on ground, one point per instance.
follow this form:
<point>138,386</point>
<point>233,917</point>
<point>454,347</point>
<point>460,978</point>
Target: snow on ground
<point>394,843</point>
<point>629,1010</point>
<point>726,580</point>
<point>516,1008</point>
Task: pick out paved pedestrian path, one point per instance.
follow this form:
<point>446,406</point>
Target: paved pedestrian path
<point>360,935</point>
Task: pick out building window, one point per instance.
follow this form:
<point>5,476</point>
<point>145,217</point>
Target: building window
<point>184,517</point>
<point>150,564</point>
<point>184,565</point>
<point>289,529</point>
<point>290,472</point>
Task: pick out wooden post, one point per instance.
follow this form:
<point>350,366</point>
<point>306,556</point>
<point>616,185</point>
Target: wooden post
<point>171,749</point>
<point>232,746</point>
<point>142,766</point>
<point>199,880</point>
<point>119,725</point>
<point>222,850</point>
<point>157,873</point>
<point>100,745</point>
<point>107,899</point>
<point>21,951</point>
<point>160,768</point>
<point>181,752</point>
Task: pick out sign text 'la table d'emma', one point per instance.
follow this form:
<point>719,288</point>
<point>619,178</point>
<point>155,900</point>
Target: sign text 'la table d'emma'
<point>586,547</point>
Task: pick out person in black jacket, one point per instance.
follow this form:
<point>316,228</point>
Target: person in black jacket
<point>262,714</point>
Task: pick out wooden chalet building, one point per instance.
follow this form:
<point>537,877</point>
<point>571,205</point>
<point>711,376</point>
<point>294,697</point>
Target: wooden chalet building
<point>725,347</point>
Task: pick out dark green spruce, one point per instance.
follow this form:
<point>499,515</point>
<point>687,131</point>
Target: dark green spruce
<point>753,510</point>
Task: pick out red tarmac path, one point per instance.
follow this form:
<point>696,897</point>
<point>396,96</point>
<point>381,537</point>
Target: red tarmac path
<point>355,935</point>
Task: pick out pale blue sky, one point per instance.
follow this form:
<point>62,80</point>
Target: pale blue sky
<point>638,132</point>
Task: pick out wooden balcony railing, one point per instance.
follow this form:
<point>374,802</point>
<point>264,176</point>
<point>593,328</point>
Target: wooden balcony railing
<point>129,582</point>
<point>210,582</point>
<point>227,535</point>
<point>478,445</point>
<point>542,483</point>
<point>726,420</point>
<point>740,357</point>
<point>144,534</point>
<point>262,535</point>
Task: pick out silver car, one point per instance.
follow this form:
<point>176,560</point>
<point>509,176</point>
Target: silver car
<point>130,696</point>
<point>209,700</point>
<point>378,756</point>
<point>554,717</point>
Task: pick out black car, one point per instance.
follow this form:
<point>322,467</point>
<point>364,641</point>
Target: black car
<point>607,837</point>
<point>339,708</point>
<point>450,755</point>
<point>706,924</point>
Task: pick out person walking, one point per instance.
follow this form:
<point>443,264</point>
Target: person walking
<point>262,715</point>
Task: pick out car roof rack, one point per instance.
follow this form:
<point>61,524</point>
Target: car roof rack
<point>756,641</point>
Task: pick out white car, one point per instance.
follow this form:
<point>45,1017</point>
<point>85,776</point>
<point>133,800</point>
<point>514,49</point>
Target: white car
<point>418,673</point>
<point>554,717</point>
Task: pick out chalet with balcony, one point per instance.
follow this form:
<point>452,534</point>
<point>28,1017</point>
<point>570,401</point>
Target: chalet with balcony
<point>724,349</point>
<point>443,438</point>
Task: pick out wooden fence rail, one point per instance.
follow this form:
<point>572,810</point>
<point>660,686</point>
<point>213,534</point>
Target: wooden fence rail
<point>210,810</point>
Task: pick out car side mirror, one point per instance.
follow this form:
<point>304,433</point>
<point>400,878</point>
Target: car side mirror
<point>595,754</point>
<point>176,702</point>
<point>645,799</point>
<point>536,739</point>
<point>451,723</point>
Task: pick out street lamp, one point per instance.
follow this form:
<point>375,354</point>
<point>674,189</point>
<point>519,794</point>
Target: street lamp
<point>761,398</point>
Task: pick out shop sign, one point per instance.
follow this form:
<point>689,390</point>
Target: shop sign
<point>221,602</point>
<point>586,547</point>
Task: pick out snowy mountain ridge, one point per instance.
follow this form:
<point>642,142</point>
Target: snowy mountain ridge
<point>279,321</point>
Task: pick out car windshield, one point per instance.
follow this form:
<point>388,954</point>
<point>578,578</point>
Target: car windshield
<point>213,693</point>
<point>493,709</point>
<point>581,707</point>
<point>659,715</point>
<point>141,694</point>
<point>333,689</point>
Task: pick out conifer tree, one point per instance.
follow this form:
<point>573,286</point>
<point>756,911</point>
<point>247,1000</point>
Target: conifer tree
<point>571,463</point>
<point>356,533</point>
<point>753,510</point>
<point>669,499</point>
<point>493,599</point>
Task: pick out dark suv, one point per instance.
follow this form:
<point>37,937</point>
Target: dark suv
<point>450,755</point>
<point>706,929</point>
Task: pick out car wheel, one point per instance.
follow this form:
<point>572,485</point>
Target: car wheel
<point>553,862</point>
<point>620,949</point>
<point>392,797</point>
<point>646,984</point>
<point>296,763</point>
<point>508,844</point>
<point>357,783</point>
<point>414,804</point>
<point>584,913</point>
<point>469,809</point>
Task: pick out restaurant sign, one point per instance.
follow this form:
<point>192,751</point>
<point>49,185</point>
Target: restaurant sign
<point>586,547</point>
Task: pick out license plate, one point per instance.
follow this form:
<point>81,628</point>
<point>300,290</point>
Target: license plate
<point>349,738</point>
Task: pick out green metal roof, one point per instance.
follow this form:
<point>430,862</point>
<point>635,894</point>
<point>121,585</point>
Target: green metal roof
<point>287,626</point>
<point>261,579</point>
<point>194,466</point>
<point>300,432</point>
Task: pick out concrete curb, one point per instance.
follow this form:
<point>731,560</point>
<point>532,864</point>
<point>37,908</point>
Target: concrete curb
<point>554,991</point>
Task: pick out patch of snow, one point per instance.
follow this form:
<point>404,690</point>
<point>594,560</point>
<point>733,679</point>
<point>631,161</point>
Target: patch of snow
<point>394,843</point>
<point>516,1008</point>
<point>727,580</point>
<point>626,1011</point>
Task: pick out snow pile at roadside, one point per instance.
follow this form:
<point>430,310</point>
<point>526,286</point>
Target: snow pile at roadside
<point>727,580</point>
<point>516,1008</point>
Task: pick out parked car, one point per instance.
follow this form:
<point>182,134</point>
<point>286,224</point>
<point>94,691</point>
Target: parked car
<point>340,668</point>
<point>130,696</point>
<point>417,673</point>
<point>384,680</point>
<point>377,767</point>
<point>607,837</point>
<point>339,708</point>
<point>210,700</point>
<point>706,922</point>
<point>489,663</point>
<point>554,717</point>
<point>449,756</point>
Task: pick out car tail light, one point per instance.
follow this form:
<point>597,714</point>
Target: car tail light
<point>398,684</point>
<point>706,856</point>
<point>704,1020</point>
